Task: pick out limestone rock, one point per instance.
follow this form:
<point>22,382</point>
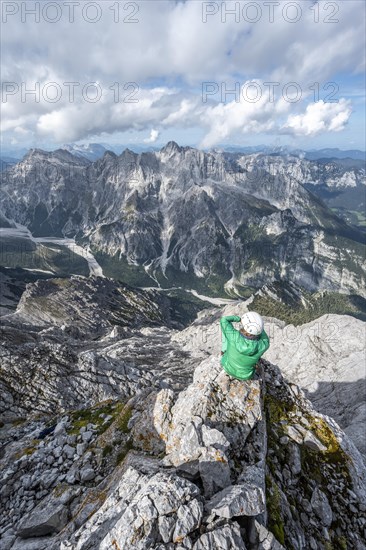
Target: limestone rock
<point>313,442</point>
<point>266,539</point>
<point>238,500</point>
<point>49,517</point>
<point>294,434</point>
<point>224,538</point>
<point>327,362</point>
<point>87,474</point>
<point>188,519</point>
<point>214,470</point>
<point>321,507</point>
<point>185,451</point>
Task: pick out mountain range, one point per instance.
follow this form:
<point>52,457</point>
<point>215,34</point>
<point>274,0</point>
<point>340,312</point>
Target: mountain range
<point>212,221</point>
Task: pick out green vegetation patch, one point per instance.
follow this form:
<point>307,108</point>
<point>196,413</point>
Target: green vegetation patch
<point>18,421</point>
<point>277,410</point>
<point>318,304</point>
<point>27,451</point>
<point>107,450</point>
<point>118,268</point>
<point>316,463</point>
<point>82,418</point>
<point>123,420</point>
<point>124,451</point>
<point>185,306</point>
<point>275,520</point>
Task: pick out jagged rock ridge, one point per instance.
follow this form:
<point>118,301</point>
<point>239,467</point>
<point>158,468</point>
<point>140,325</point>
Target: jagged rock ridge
<point>223,464</point>
<point>206,219</point>
<point>145,443</point>
<point>325,357</point>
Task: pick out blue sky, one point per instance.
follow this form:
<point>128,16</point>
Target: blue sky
<point>154,71</point>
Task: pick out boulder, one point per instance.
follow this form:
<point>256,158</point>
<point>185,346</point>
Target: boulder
<point>68,451</point>
<point>238,500</point>
<point>321,507</point>
<point>295,434</point>
<point>227,537</point>
<point>81,448</point>
<point>87,474</point>
<point>87,436</point>
<point>59,429</point>
<point>265,539</point>
<point>166,527</point>
<point>214,438</point>
<point>188,519</point>
<point>313,442</point>
<point>214,470</point>
<point>50,516</point>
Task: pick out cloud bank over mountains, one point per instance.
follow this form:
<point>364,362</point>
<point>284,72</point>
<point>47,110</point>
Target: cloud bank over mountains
<point>223,68</point>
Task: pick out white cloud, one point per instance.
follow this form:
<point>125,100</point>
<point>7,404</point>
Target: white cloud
<point>320,117</point>
<point>154,134</point>
<point>171,44</point>
<point>20,130</point>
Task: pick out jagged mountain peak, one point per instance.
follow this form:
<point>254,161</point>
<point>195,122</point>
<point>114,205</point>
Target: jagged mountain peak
<point>129,153</point>
<point>170,148</point>
<point>63,155</point>
<point>109,154</point>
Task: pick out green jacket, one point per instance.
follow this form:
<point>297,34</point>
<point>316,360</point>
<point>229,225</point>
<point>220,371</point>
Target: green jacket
<point>240,354</point>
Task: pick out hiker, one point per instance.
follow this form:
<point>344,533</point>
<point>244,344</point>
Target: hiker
<point>242,349</point>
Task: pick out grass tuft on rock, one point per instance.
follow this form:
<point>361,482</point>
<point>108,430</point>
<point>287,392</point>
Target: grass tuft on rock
<point>123,420</point>
<point>81,418</point>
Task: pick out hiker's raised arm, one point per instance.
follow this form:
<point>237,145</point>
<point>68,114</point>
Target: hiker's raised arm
<point>225,323</point>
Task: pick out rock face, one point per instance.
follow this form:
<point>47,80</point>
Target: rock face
<point>49,517</point>
<point>226,479</point>
<point>89,307</point>
<point>85,340</point>
<point>325,357</point>
<point>208,219</point>
<point>328,362</point>
<point>131,436</point>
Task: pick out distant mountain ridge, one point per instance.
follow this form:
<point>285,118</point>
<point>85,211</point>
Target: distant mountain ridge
<point>356,154</point>
<point>93,151</point>
<point>207,220</point>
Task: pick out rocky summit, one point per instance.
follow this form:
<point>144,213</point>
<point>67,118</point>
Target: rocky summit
<point>121,431</point>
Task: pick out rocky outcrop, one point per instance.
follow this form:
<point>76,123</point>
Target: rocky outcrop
<point>85,340</point>
<point>89,306</point>
<point>328,362</point>
<point>221,464</point>
<point>324,357</point>
<point>129,435</point>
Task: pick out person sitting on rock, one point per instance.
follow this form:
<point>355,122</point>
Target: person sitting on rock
<point>242,349</point>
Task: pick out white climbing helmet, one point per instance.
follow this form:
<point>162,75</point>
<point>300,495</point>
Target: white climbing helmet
<point>252,323</point>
